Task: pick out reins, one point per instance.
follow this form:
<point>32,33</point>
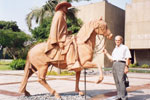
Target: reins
<point>97,49</point>
<point>100,42</point>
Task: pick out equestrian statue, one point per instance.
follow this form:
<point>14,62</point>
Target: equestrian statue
<point>74,53</point>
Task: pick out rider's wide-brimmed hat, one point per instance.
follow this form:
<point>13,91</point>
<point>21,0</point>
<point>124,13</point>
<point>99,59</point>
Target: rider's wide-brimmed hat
<point>64,3</point>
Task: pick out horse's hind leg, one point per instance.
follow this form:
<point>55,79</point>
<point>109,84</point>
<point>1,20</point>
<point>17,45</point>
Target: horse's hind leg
<point>28,72</point>
<point>41,75</point>
<point>77,83</point>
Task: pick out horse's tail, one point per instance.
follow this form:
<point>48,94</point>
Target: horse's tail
<point>27,73</point>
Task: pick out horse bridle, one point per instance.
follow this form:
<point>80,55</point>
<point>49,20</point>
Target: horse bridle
<point>104,38</point>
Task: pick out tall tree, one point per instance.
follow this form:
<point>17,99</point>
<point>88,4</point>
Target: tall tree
<point>11,25</point>
<point>12,38</point>
<point>41,32</point>
<point>38,14</point>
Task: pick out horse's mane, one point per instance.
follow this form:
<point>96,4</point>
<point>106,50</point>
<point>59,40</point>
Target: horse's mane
<point>87,29</point>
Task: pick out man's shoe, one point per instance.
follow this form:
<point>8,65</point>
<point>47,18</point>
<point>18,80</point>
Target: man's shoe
<point>117,98</point>
<point>126,98</point>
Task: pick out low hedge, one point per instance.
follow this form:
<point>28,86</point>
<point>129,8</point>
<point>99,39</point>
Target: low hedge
<point>145,66</point>
<point>137,66</point>
<point>18,64</point>
<point>63,73</point>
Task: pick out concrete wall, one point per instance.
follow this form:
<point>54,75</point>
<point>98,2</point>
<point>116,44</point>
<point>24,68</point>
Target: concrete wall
<point>115,18</point>
<point>137,24</point>
<point>135,1</point>
<point>91,11</point>
<point>137,30</point>
<point>142,56</point>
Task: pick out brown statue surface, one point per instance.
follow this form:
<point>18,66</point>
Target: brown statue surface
<point>75,54</point>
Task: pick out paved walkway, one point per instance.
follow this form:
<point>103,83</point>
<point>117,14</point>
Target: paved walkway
<point>139,85</point>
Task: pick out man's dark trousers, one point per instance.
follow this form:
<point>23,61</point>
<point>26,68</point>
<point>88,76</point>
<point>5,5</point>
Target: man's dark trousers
<point>119,78</point>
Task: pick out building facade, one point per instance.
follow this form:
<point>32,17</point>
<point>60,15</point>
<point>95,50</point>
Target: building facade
<point>115,18</point>
<point>137,30</point>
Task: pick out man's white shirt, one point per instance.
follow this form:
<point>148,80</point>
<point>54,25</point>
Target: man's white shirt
<point>121,53</point>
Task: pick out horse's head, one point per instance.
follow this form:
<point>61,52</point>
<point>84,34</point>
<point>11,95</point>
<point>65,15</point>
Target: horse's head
<point>102,29</point>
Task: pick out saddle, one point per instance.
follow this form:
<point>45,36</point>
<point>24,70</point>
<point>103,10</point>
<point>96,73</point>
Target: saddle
<point>68,54</point>
<point>71,56</point>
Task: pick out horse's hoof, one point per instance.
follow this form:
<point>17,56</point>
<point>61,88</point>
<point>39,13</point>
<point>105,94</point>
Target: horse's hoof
<point>56,95</point>
<point>25,93</point>
<point>99,80</point>
<point>81,93</point>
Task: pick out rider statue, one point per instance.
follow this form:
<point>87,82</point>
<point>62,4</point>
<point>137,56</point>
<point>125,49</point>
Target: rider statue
<point>58,31</point>
<point>59,45</point>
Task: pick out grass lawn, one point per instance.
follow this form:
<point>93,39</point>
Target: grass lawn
<point>134,70</point>
<point>63,73</point>
<point>5,67</point>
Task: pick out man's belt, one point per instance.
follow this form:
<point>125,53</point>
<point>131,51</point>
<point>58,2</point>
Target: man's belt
<point>119,61</point>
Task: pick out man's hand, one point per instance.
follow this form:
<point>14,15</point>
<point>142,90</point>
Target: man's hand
<point>107,54</point>
<point>126,70</point>
<point>105,51</point>
<point>110,36</point>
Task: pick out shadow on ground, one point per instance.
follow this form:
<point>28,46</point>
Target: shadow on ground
<point>139,95</point>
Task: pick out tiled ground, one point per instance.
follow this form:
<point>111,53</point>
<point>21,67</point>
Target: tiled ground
<point>139,85</point>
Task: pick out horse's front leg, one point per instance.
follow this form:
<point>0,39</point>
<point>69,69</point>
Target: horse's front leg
<point>93,65</point>
<point>77,83</point>
<point>101,77</point>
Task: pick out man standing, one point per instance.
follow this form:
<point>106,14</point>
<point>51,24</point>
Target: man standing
<point>121,60</point>
<point>58,31</point>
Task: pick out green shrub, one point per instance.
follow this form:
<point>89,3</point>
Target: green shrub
<point>145,66</point>
<point>52,73</point>
<point>18,64</point>
<point>67,73</point>
<point>139,71</point>
<point>133,65</point>
<point>63,73</point>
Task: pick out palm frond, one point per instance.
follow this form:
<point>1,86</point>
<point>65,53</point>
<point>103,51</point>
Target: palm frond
<point>28,20</point>
<point>38,14</point>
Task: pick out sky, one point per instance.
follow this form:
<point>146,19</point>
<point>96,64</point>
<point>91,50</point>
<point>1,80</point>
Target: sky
<point>17,10</point>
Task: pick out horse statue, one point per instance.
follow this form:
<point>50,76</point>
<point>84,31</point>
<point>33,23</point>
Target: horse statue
<point>83,43</point>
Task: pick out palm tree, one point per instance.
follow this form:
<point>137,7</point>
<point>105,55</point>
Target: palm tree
<point>48,10</point>
<point>40,13</point>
